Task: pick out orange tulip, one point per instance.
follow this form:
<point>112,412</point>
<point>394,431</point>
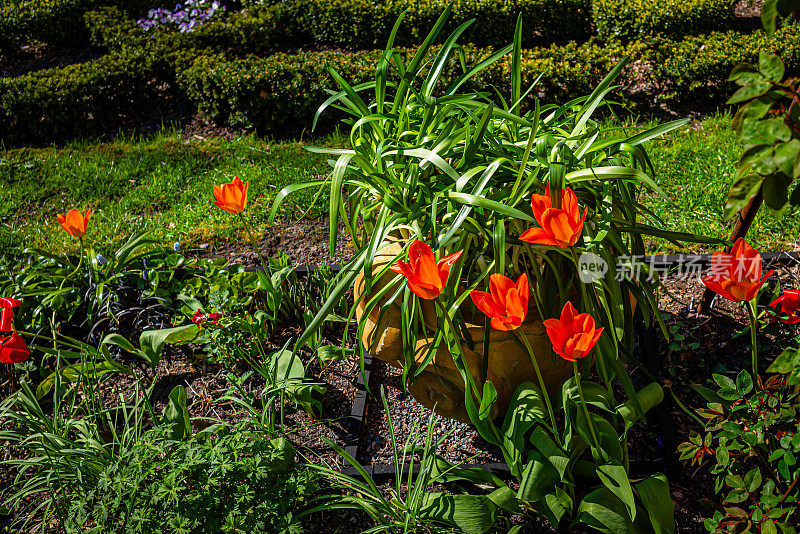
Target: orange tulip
<point>736,276</point>
<point>559,226</point>
<point>573,335</point>
<point>74,222</point>
<point>7,306</point>
<point>13,349</point>
<point>506,304</point>
<point>425,277</point>
<point>232,197</point>
<point>789,304</point>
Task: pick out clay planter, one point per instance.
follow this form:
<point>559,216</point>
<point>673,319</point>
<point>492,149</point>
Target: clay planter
<point>440,383</point>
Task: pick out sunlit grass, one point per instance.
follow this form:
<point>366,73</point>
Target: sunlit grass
<point>163,185</point>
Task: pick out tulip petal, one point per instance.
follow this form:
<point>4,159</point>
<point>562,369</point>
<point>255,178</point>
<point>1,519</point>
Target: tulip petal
<point>538,236</point>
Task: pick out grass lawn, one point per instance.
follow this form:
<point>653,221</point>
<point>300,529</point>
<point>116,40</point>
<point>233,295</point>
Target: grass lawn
<point>163,184</point>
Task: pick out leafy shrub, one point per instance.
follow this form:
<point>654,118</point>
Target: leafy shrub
<point>624,19</point>
<point>282,92</point>
<point>363,24</point>
<point>258,30</point>
<point>77,99</point>
<point>54,21</point>
<point>226,480</point>
<point>699,66</point>
<point>752,436</point>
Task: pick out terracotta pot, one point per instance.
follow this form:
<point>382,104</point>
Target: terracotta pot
<point>441,383</point>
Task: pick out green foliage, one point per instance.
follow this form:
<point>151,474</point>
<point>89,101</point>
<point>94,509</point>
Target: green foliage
<point>768,124</point>
<point>85,295</point>
<point>752,436</point>
<point>229,479</point>
<point>363,24</point>
<point>697,67</point>
<point>75,100</point>
<point>282,92</point>
<point>52,21</point>
<point>258,30</point>
<point>411,505</point>
<point>638,19</point>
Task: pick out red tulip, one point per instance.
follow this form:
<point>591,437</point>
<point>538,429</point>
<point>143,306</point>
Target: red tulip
<point>506,304</point>
<point>559,226</point>
<point>789,302</point>
<point>232,197</point>
<point>736,276</point>
<point>74,222</point>
<point>425,277</point>
<point>573,335</point>
<point>13,349</point>
<point>7,306</point>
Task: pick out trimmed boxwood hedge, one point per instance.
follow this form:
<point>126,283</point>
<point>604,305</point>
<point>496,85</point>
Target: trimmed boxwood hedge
<point>697,68</point>
<point>76,100</point>
<point>258,30</point>
<point>58,22</point>
<point>53,21</point>
<point>637,19</point>
<point>281,93</point>
<point>365,24</point>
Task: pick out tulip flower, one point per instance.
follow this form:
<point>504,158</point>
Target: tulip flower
<point>424,276</point>
<point>7,306</point>
<point>558,226</point>
<point>789,304</point>
<point>506,304</point>
<point>13,349</point>
<point>232,197</point>
<point>573,335</point>
<point>75,223</point>
<point>736,276</point>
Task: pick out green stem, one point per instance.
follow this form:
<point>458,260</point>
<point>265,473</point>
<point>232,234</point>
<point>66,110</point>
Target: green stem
<point>583,403</point>
<point>253,242</point>
<point>753,313</point>
<point>77,267</point>
<point>521,335</point>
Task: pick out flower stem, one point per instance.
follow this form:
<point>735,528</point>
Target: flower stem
<point>77,267</point>
<point>521,335</point>
<point>583,403</point>
<point>752,311</point>
<point>253,242</point>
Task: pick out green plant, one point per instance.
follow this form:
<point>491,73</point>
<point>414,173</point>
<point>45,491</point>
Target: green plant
<point>54,100</point>
<point>752,436</point>
<point>360,24</point>
<point>641,19</point>
<point>280,93</point>
<point>285,379</point>
<point>769,125</point>
<point>411,505</point>
<point>223,479</point>
<point>433,161</point>
<point>67,444</point>
<point>88,295</point>
<point>698,66</point>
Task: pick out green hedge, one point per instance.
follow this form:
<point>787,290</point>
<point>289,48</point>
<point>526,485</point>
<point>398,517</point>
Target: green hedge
<point>697,68</point>
<point>636,19</point>
<point>365,24</point>
<point>258,30</point>
<point>52,21</point>
<point>78,99</point>
<point>281,93</point>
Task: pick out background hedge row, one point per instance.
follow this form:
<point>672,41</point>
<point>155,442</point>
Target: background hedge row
<point>637,19</point>
<point>280,94</point>
<point>59,22</point>
<point>365,24</point>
